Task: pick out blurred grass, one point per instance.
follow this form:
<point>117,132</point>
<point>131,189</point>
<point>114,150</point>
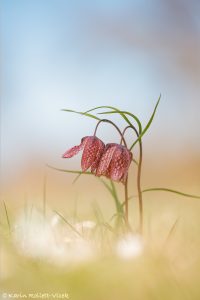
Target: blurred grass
<point>147,277</point>
<point>169,267</point>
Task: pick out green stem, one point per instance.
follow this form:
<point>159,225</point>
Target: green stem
<point>138,179</point>
<point>139,187</point>
<point>126,201</point>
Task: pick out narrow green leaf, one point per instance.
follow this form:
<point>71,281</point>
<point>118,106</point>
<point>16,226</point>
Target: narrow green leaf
<point>171,232</point>
<point>109,227</point>
<point>121,214</point>
<point>69,224</point>
<point>82,113</point>
<point>129,198</point>
<point>106,185</point>
<point>113,192</point>
<point>148,124</point>
<point>118,204</point>
<point>123,114</point>
<point>171,191</point>
<point>135,161</point>
<point>69,171</point>
<point>103,106</point>
<point>98,213</point>
<point>7,217</point>
<point>76,178</point>
<point>117,112</point>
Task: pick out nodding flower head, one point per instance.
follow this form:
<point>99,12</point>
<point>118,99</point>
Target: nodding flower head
<point>115,162</point>
<point>92,151</point>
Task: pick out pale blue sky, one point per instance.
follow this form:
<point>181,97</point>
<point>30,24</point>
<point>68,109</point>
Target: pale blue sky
<point>80,54</point>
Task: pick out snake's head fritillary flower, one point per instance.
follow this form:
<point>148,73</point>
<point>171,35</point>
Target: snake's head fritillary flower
<point>115,162</point>
<point>92,148</point>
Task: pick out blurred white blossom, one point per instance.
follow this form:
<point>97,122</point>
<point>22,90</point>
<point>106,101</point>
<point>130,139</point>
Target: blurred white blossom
<point>52,240</point>
<point>129,246</point>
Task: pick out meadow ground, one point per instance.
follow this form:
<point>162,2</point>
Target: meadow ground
<point>64,240</point>
<point>83,256</point>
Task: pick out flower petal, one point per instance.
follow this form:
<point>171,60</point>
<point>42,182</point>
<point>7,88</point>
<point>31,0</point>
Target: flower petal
<point>118,163</point>
<point>101,147</point>
<point>103,167</point>
<point>116,168</point>
<point>128,157</point>
<point>92,152</point>
<point>74,150</point>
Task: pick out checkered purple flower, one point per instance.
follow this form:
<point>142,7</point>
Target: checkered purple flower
<point>92,148</point>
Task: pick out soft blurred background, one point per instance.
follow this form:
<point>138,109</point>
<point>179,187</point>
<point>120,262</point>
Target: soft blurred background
<point>80,54</point>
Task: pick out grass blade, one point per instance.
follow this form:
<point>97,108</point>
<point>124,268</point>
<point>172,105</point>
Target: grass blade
<point>103,106</point>
<point>76,178</point>
<point>113,192</point>
<point>135,161</point>
<point>81,113</point>
<point>106,185</point>
<point>123,114</point>
<point>171,232</point>
<point>7,217</point>
<point>118,204</point>
<point>69,171</point>
<point>148,124</point>
<point>98,213</point>
<point>109,227</point>
<point>129,198</point>
<point>170,191</point>
<point>69,224</point>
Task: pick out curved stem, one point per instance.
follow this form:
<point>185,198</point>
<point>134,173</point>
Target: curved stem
<point>138,179</point>
<point>108,121</point>
<point>126,201</point>
<point>127,127</point>
<point>139,187</point>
